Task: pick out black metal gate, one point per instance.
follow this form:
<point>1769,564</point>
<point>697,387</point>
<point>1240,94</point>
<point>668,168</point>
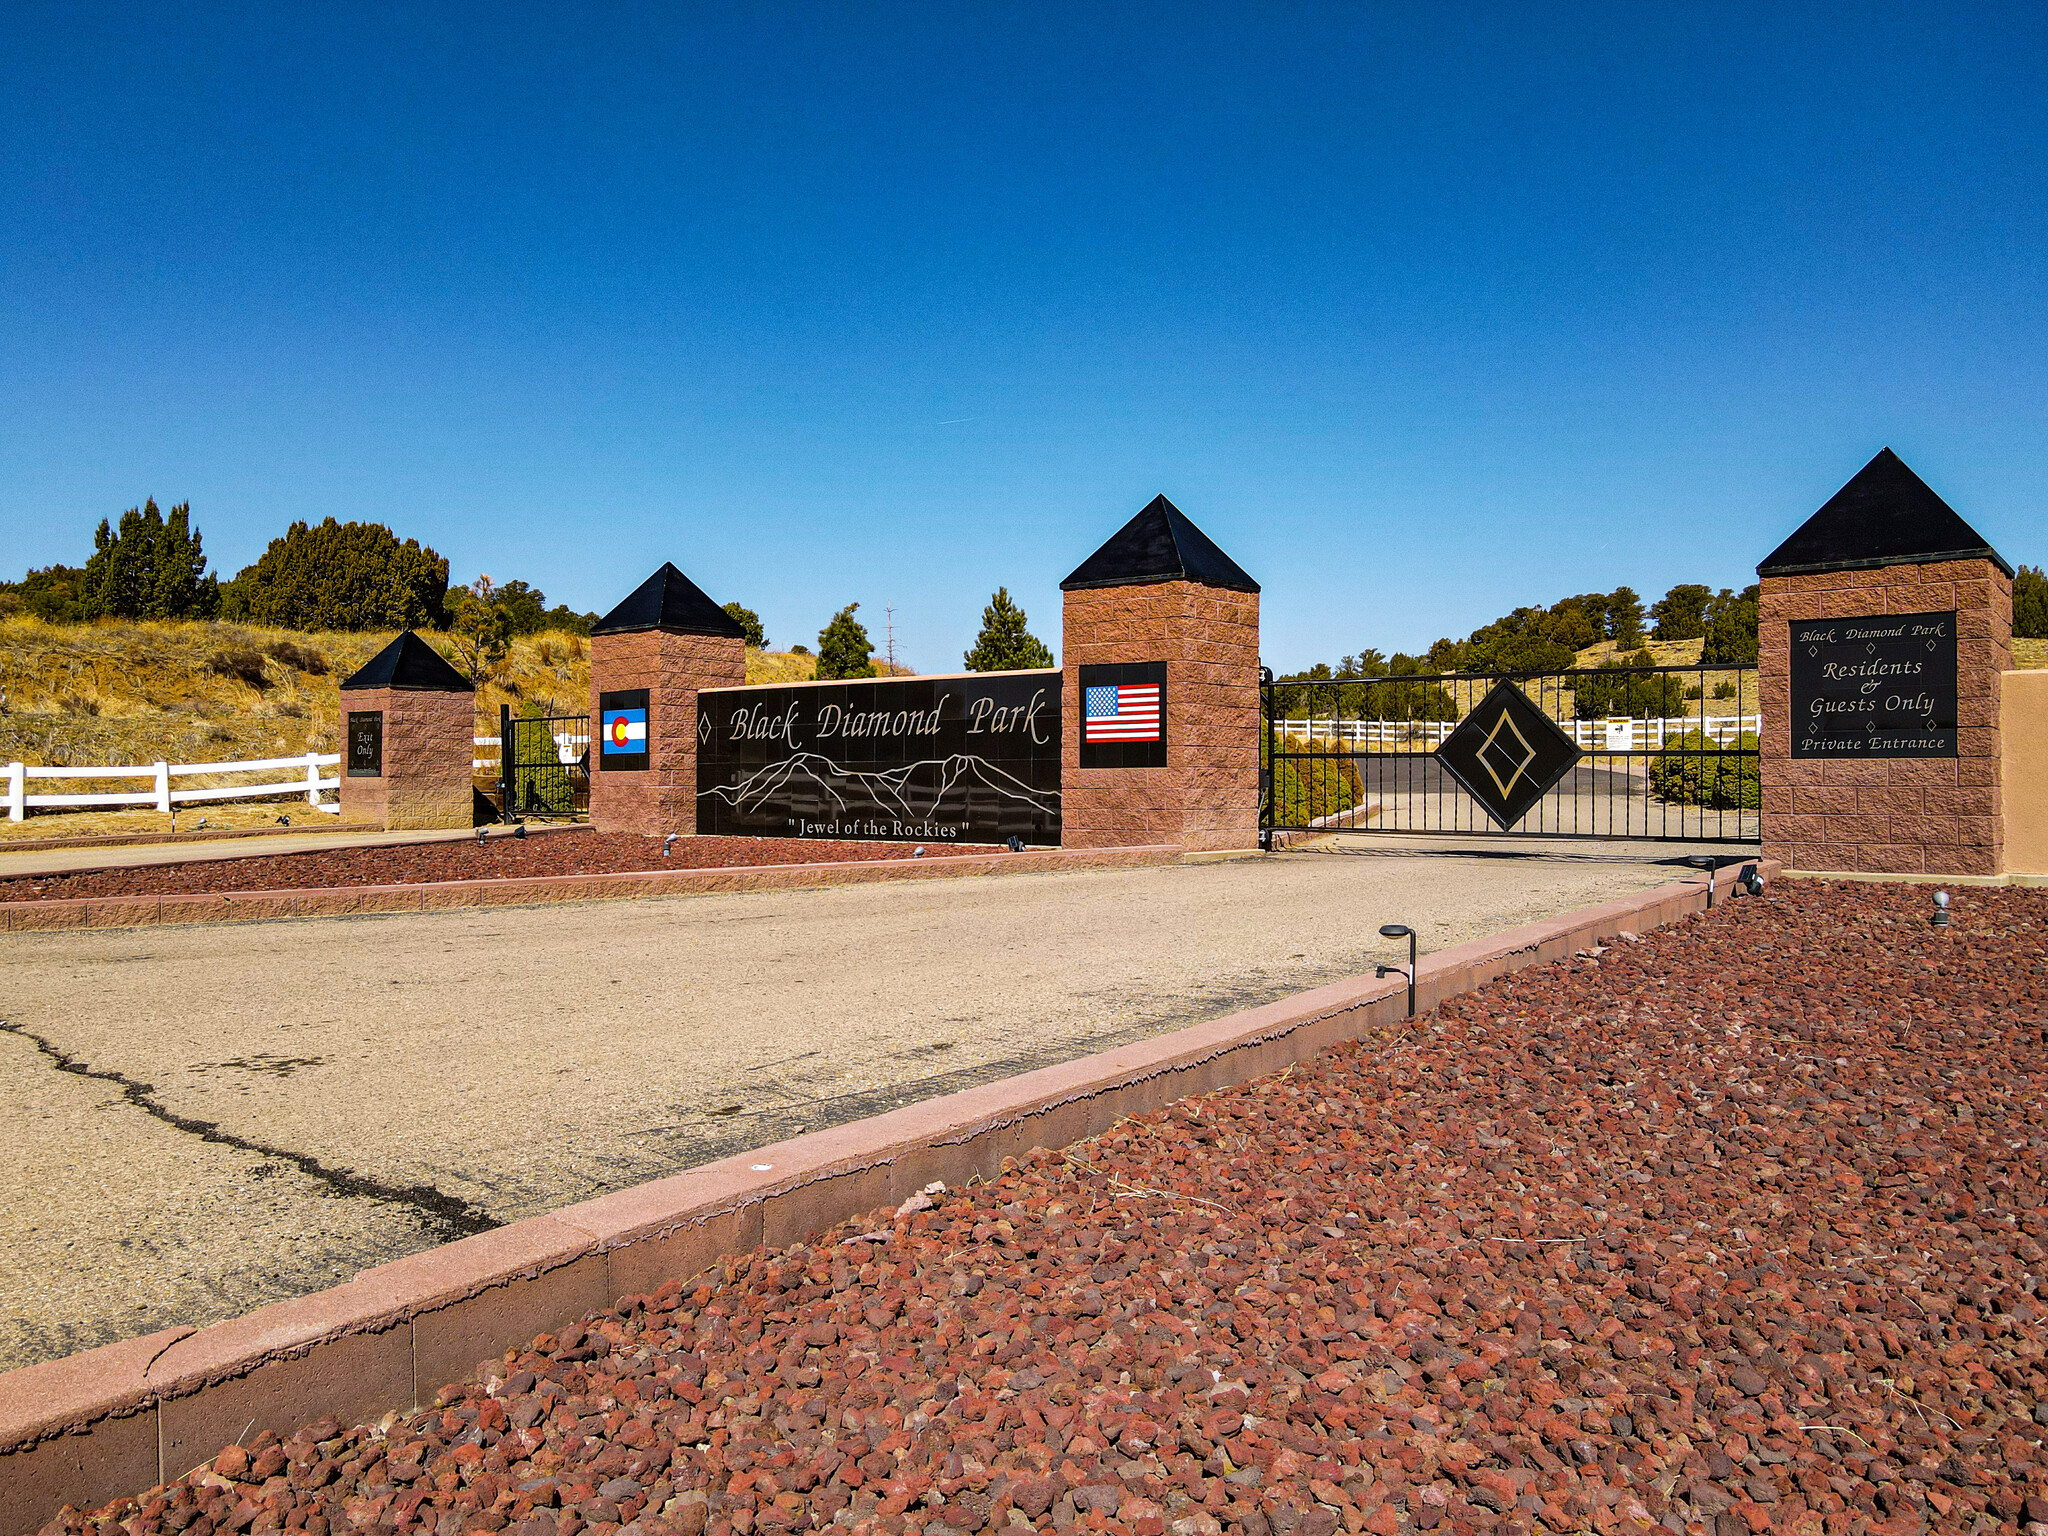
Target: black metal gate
<point>1666,753</point>
<point>544,765</point>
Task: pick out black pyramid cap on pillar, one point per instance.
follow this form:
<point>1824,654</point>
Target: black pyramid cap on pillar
<point>669,600</point>
<point>1886,515</point>
<point>1159,544</point>
<point>410,664</point>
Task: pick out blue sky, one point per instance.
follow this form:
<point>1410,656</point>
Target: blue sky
<point>1420,313</point>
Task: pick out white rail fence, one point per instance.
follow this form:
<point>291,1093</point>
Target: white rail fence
<point>569,748</point>
<point>15,779</point>
<point>1615,735</point>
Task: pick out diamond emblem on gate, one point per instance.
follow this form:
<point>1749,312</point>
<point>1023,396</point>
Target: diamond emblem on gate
<point>1507,754</point>
<point>703,728</point>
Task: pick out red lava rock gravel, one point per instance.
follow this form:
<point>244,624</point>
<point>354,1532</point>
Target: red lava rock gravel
<point>502,857</point>
<point>1734,1229</point>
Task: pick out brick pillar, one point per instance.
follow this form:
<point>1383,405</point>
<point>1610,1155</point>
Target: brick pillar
<point>666,641</point>
<point>408,723</point>
<point>1861,558</point>
<point>1160,595</point>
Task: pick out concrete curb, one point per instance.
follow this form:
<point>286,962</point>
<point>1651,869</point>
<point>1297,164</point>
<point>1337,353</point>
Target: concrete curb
<point>122,1418</point>
<point>359,900</point>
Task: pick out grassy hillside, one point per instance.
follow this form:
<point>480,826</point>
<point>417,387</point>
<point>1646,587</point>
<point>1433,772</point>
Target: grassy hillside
<point>209,692</point>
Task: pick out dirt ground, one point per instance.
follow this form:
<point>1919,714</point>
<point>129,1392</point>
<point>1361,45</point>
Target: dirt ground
<point>210,1119</point>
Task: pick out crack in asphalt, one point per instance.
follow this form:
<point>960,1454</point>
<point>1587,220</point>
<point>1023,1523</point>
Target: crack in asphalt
<point>445,1214</point>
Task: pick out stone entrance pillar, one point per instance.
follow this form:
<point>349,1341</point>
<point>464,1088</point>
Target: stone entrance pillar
<point>1160,673</point>
<point>1886,621</point>
<point>408,727</point>
<point>648,658</point>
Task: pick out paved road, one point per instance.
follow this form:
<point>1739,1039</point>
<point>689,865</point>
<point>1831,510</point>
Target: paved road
<point>202,1120</point>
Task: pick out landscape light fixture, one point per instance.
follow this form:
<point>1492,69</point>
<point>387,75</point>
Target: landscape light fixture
<point>1400,931</point>
<point>1750,880</point>
<point>1940,918</point>
<point>480,831</point>
<point>668,843</point>
<point>1016,843</point>
<point>520,830</point>
<point>1709,863</point>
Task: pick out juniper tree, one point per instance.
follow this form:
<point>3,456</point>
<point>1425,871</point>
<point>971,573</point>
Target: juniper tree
<point>749,621</point>
<point>340,576</point>
<point>2030,604</point>
<point>147,568</point>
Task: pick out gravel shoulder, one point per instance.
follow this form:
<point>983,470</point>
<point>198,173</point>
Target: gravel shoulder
<point>278,1104</point>
<point>1734,1229</point>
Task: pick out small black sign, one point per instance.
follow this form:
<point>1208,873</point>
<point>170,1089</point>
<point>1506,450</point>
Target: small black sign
<point>623,724</point>
<point>1507,753</point>
<point>1882,686</point>
<point>366,744</point>
<point>1123,715</point>
<point>972,759</point>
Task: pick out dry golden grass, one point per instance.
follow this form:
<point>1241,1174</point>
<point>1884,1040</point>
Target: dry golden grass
<point>211,692</point>
<point>2030,655</point>
<point>765,668</point>
<point>1666,653</point>
<point>106,694</point>
<point>1686,653</point>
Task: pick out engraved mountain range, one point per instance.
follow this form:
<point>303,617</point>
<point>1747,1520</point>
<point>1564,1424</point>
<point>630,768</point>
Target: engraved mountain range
<point>913,791</point>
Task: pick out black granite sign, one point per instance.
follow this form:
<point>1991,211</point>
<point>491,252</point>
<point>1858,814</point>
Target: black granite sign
<point>1507,754</point>
<point>366,744</point>
<point>1882,686</point>
<point>972,759</point>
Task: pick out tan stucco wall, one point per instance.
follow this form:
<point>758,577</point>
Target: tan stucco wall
<point>2023,711</point>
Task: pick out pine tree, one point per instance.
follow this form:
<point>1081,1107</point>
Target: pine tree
<point>844,649</point>
<point>1004,644</point>
<point>1731,629</point>
<point>1624,617</point>
<point>1681,613</point>
<point>2030,604</point>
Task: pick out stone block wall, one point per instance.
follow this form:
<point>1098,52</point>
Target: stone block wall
<point>662,798</point>
<point>429,746</point>
<point>2023,706</point>
<point>1207,795</point>
<point>1928,815</point>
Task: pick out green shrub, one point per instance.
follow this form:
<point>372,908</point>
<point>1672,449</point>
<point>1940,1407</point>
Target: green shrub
<point>1695,770</point>
<point>300,658</point>
<point>1305,789</point>
<point>240,663</point>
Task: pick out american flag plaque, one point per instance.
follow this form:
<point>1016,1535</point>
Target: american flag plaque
<point>1123,715</point>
